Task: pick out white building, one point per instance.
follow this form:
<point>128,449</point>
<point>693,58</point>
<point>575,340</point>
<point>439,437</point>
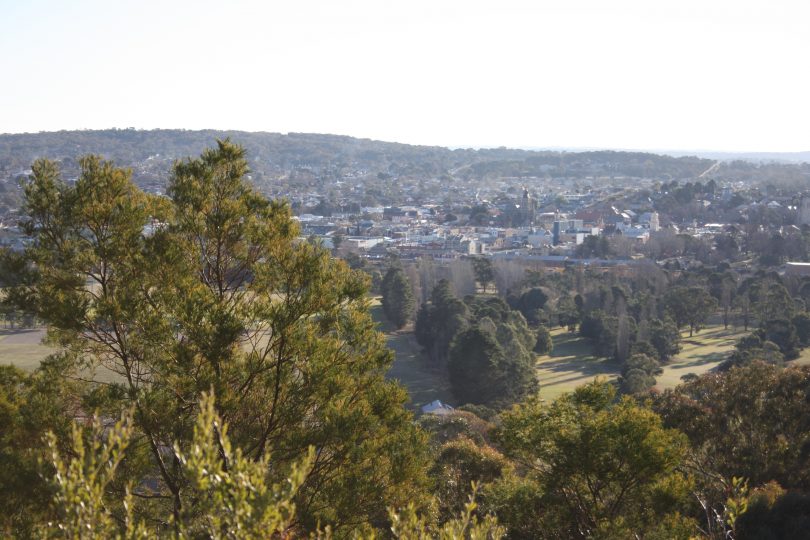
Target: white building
<point>437,407</point>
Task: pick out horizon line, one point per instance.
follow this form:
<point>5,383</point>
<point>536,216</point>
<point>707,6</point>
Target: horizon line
<point>532,148</point>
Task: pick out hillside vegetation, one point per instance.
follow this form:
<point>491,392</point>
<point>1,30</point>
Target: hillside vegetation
<point>275,151</point>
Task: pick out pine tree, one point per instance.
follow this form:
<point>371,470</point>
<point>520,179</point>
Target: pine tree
<point>209,290</point>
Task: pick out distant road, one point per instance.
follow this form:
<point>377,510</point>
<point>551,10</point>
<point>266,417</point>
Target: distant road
<point>710,169</point>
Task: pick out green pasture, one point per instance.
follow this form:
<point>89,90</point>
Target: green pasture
<point>23,348</point>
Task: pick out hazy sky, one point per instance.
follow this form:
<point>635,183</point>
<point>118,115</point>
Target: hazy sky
<point>651,74</point>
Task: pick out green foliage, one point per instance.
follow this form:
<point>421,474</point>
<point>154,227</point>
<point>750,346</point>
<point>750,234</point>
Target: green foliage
<point>773,301</point>
<point>594,247</point>
<point>782,332</point>
<point>30,406</point>
<point>644,347</point>
<point>458,465</point>
<point>482,371</point>
<point>227,495</point>
<point>81,482</point>
<point>689,306</point>
<point>773,513</point>
<point>602,331</point>
<point>460,424</point>
<point>723,287</point>
<point>749,422</point>
<point>517,338</point>
<point>531,303</point>
<point>519,504</point>
<point>487,306</point>
<point>397,298</point>
<point>208,289</point>
<point>752,348</point>
<point>407,525</point>
<point>567,312</point>
<point>438,322</point>
<point>802,324</point>
<point>484,272</point>
<point>666,339</point>
<point>544,343</point>
<point>638,374</point>
<point>600,465</point>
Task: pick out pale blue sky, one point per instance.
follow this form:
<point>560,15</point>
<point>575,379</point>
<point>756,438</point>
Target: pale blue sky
<point>654,74</point>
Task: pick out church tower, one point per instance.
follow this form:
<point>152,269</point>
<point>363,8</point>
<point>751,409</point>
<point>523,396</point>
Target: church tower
<point>655,226</point>
<point>528,207</point>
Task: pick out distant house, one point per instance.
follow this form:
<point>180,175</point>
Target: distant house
<point>357,243</point>
<point>437,407</point>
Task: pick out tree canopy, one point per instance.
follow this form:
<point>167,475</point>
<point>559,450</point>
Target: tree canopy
<point>205,290</point>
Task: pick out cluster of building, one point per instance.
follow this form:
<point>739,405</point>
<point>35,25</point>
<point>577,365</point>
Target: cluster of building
<point>433,231</point>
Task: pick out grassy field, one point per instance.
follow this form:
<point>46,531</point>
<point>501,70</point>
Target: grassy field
<point>569,365</point>
<point>699,354</point>
<point>22,347</point>
<point>572,363</point>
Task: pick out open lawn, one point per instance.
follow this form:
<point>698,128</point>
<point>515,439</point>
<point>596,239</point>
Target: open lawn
<point>569,365</point>
<point>572,362</point>
<point>699,353</point>
<point>424,385</point>
<point>22,347</point>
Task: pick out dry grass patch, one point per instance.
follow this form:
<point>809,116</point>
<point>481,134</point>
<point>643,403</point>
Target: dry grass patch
<point>22,347</point>
<point>700,353</point>
<point>570,364</point>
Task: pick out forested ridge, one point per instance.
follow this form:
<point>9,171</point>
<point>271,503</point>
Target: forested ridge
<point>284,151</point>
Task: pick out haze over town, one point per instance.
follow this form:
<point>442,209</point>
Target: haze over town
<point>673,75</point>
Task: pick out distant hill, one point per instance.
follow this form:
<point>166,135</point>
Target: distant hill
<point>270,152</point>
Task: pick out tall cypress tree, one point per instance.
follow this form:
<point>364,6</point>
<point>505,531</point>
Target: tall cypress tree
<point>397,297</point>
